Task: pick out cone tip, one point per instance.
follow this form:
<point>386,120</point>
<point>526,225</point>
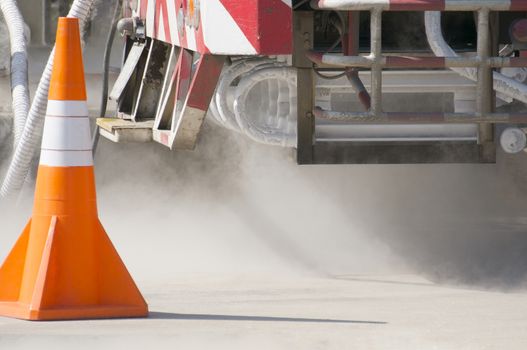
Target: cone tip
<point>68,20</point>
<point>67,78</point>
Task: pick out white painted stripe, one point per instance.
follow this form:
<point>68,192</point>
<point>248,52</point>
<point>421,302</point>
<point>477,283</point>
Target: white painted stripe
<point>172,22</point>
<point>287,2</point>
<point>66,133</point>
<point>191,38</point>
<point>67,108</point>
<point>221,32</point>
<point>161,27</point>
<point>66,158</point>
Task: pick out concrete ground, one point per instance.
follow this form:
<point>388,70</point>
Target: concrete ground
<point>345,312</point>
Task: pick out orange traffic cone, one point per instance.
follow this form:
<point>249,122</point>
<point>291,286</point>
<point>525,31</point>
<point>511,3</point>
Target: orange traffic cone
<point>64,266</point>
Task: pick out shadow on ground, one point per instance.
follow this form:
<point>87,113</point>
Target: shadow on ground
<point>207,317</point>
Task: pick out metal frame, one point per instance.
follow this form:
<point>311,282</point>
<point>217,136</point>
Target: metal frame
<point>165,91</point>
<point>311,152</point>
<point>376,61</point>
<point>190,81</point>
<point>302,43</point>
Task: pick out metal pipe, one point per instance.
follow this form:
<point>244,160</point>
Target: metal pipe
<point>333,60</point>
<point>350,47</point>
<point>376,56</point>
<point>484,81</point>
<point>419,118</point>
<point>420,5</point>
<point>418,62</point>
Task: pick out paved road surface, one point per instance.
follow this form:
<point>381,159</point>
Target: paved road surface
<point>346,312</point>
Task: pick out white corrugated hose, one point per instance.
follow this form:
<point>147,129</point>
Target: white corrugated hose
<point>268,116</point>
<point>440,47</point>
<point>30,136</point>
<point>19,79</point>
<point>257,97</point>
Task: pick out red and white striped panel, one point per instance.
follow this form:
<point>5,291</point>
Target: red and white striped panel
<point>226,27</point>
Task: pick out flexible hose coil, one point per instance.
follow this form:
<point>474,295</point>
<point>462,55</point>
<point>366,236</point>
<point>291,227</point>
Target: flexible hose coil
<point>272,118</point>
<point>30,137</point>
<point>19,66</point>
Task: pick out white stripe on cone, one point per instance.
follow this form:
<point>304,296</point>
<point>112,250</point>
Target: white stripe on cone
<point>62,133</point>
<point>66,158</point>
<point>66,139</point>
<point>67,108</point>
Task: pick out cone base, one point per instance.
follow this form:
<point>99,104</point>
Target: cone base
<point>24,312</point>
<point>60,284</point>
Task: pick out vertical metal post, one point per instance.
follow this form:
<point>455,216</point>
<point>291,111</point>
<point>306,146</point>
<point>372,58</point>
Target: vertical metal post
<point>376,69</point>
<point>485,86</point>
<point>484,83</point>
<point>351,43</point>
<point>303,41</point>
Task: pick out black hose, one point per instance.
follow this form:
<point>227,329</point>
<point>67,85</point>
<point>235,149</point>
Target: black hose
<point>107,54</point>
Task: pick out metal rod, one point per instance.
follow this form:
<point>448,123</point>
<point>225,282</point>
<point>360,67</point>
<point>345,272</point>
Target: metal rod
<point>335,60</point>
<point>484,85</point>
<point>375,57</point>
<point>350,47</point>
<point>419,118</point>
<point>420,5</point>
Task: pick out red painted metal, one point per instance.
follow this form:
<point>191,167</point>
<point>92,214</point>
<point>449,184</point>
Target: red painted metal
<point>350,47</point>
<point>417,5</point>
<point>267,24</point>
<point>518,5</point>
<point>519,30</point>
<point>204,80</point>
<point>414,62</point>
<point>164,138</point>
<point>518,62</point>
<point>142,9</point>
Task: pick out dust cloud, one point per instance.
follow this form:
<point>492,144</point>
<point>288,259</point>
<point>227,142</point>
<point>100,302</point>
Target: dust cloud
<point>233,207</point>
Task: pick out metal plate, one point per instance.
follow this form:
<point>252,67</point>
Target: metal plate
<point>127,70</point>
